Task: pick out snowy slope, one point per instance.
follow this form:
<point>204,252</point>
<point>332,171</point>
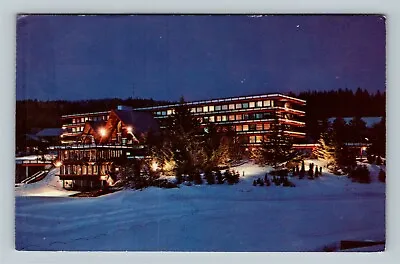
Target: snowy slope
<point>49,186</point>
<point>208,218</point>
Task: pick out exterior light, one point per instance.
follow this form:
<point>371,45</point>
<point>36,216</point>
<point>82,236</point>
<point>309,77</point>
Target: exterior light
<point>58,163</point>
<point>116,169</point>
<point>129,129</point>
<point>103,132</point>
<point>154,166</point>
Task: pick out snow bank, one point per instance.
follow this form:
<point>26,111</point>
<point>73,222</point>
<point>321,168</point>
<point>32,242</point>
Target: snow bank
<point>49,186</point>
<point>239,217</point>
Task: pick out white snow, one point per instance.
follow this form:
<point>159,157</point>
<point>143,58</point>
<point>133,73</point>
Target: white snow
<point>49,186</point>
<point>311,216</point>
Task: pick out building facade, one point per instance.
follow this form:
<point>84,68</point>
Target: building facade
<point>93,155</point>
<point>250,116</point>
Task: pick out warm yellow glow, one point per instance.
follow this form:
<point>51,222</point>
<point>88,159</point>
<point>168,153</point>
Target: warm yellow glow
<point>58,163</point>
<point>129,129</point>
<point>116,169</point>
<point>103,132</point>
<point>154,166</point>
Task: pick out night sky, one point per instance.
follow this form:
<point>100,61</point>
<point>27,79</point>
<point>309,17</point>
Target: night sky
<point>199,57</point>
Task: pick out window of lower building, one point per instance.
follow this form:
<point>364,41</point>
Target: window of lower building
<point>217,108</point>
<point>267,126</point>
<point>193,110</point>
<point>239,128</point>
<point>238,117</point>
<point>224,118</point>
<point>82,119</point>
<point>199,109</point>
<point>169,112</point>
<point>252,139</point>
<point>211,108</point>
<point>258,116</point>
<point>238,106</point>
<point>245,127</point>
<point>218,118</point>
<point>231,117</point>
<point>252,104</point>
<point>73,120</point>
<point>252,127</point>
<point>211,119</point>
<point>205,108</point>
<point>231,107</point>
<point>224,107</point>
<point>267,103</point>
<point>164,113</point>
<point>259,103</point>
<point>258,139</point>
<point>245,117</point>
<point>245,105</point>
<point>73,130</point>
<point>259,127</point>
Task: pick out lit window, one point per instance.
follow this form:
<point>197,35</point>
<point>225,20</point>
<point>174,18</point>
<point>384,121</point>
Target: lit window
<point>169,112</point>
<point>205,108</point>
<point>211,108</point>
<point>239,128</point>
<point>86,119</point>
<point>218,118</point>
<point>245,127</point>
<point>238,106</point>
<point>245,105</point>
<point>217,108</point>
<point>211,119</point>
<point>267,103</point>
<point>231,117</point>
<point>266,126</point>
<point>252,139</point>
<point>259,127</point>
<point>224,118</point>
<point>205,119</point>
<point>252,104</point>
<point>259,103</point>
<point>258,139</point>
<point>193,110</point>
<point>73,120</point>
<point>159,113</point>
<point>225,107</point>
<point>199,109</point>
<point>164,113</point>
<point>238,117</point>
<point>73,129</point>
<point>82,120</point>
<point>231,107</point>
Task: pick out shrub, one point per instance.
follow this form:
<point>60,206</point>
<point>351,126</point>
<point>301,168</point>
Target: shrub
<point>197,178</point>
<point>360,174</point>
<point>254,183</point>
<point>209,177</point>
<point>382,176</point>
<point>220,179</point>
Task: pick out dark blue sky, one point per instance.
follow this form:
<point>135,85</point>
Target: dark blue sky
<point>199,57</point>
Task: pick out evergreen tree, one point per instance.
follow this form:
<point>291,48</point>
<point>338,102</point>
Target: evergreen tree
<point>277,147</point>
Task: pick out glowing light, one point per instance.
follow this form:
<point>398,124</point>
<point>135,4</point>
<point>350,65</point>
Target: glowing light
<point>116,169</point>
<point>58,163</point>
<point>154,166</point>
<point>103,132</point>
<point>129,129</point>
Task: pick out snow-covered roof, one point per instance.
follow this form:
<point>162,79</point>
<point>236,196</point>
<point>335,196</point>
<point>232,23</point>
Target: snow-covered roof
<point>49,132</point>
<point>369,120</point>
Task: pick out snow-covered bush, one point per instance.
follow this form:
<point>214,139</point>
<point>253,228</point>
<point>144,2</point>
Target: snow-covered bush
<point>360,174</point>
<point>220,179</point>
<point>209,175</point>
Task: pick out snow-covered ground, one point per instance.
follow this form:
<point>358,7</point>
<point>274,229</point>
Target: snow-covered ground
<point>50,186</point>
<point>313,215</point>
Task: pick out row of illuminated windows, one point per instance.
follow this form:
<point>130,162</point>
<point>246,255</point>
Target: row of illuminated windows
<point>237,117</point>
<point>212,108</point>
<point>85,169</point>
<point>252,139</point>
<point>77,129</point>
<point>253,127</point>
<point>90,154</point>
<point>88,118</point>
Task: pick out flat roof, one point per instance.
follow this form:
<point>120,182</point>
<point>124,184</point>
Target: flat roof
<point>227,99</point>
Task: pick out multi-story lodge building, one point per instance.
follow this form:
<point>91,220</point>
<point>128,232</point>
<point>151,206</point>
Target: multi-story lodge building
<point>94,143</point>
<point>91,159</point>
<point>250,116</point>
